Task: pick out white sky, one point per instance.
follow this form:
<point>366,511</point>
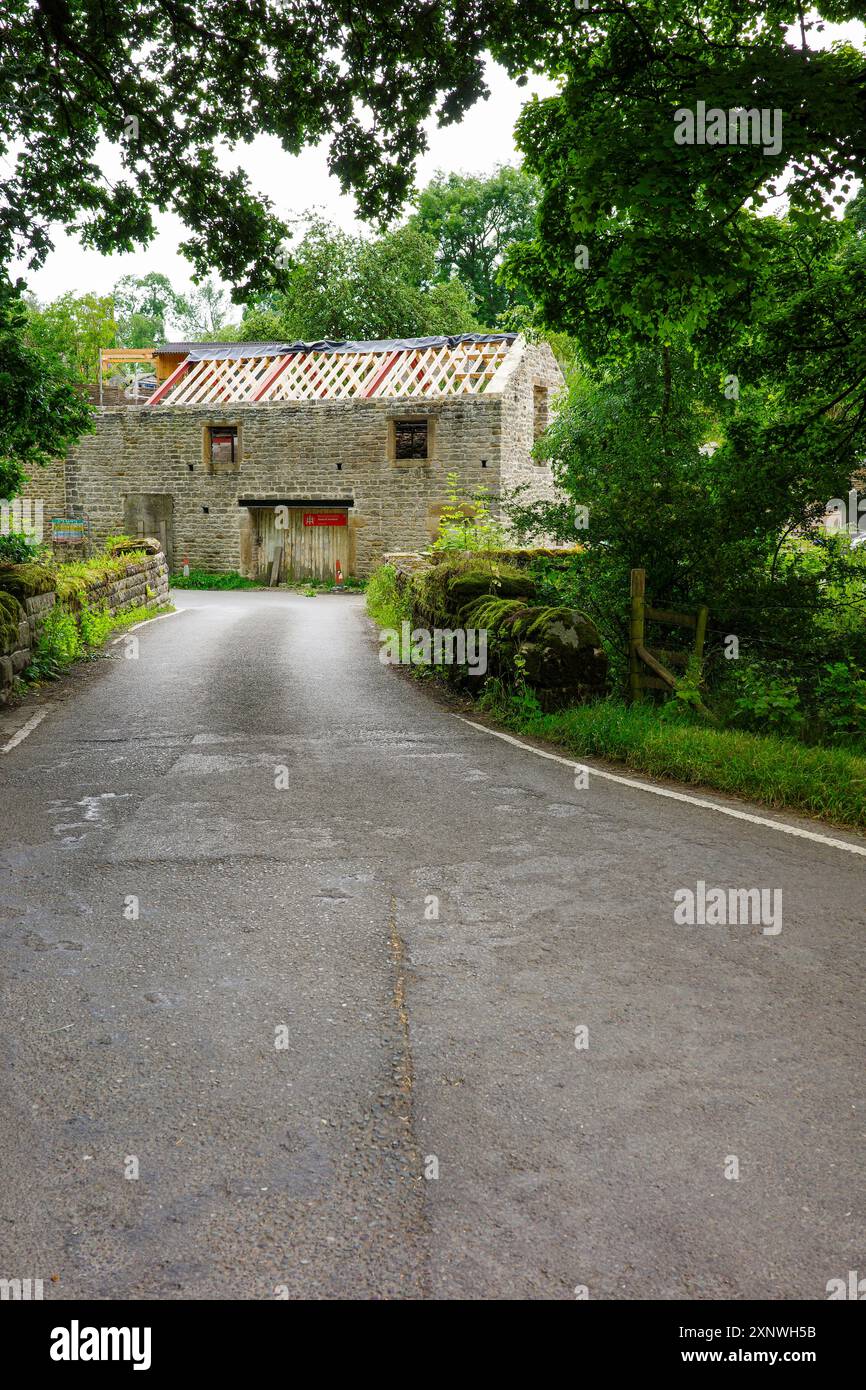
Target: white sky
<point>482,140</point>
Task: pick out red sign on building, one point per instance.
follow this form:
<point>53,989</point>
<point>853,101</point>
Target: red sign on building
<point>325,519</point>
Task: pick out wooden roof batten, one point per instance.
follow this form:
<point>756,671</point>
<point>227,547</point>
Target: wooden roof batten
<point>422,369</point>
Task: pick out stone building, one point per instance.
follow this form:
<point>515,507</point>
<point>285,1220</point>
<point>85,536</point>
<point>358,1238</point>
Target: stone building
<point>310,453</point>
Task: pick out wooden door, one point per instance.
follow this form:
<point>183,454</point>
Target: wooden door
<point>316,538</point>
<point>268,539</point>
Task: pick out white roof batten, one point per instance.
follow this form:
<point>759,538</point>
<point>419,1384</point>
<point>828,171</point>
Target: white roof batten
<point>240,373</point>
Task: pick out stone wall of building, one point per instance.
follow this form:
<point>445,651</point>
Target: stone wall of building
<point>48,486</point>
<point>145,469</point>
<point>529,404</point>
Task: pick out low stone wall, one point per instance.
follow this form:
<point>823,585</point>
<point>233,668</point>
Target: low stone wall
<point>411,561</point>
<point>131,589</point>
<point>144,585</point>
<point>15,652</point>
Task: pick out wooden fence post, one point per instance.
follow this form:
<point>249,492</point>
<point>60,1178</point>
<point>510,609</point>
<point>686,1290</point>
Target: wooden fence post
<point>636,634</point>
<point>701,632</point>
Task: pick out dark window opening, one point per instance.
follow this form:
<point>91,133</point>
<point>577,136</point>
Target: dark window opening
<point>410,439</point>
<point>224,445</point>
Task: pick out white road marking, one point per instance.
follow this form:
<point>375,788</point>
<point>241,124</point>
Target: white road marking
<point>40,714</point>
<point>24,730</point>
<point>672,795</point>
<point>144,622</point>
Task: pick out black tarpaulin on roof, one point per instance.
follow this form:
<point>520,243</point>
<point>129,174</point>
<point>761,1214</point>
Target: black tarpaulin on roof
<point>211,352</point>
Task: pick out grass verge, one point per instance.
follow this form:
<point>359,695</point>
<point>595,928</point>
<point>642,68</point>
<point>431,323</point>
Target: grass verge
<point>67,637</point>
<point>825,782</point>
<point>203,579</point>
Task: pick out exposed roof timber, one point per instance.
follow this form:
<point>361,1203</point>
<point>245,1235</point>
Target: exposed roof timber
<point>409,368</point>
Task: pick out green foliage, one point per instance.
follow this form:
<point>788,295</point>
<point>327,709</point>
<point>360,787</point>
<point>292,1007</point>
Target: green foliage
<point>10,617</point>
<point>795,336</point>
<point>142,305</point>
<point>671,228</point>
<point>149,310</point>
<point>41,412</point>
<point>75,577</point>
<point>467,524</point>
<point>389,603</point>
<point>491,612</point>
<point>170,86</point>
<point>460,577</point>
<point>59,644</point>
<point>71,331</point>
<point>342,286</point>
<point>95,624</point>
<point>16,547</point>
<point>472,220</point>
<point>840,697</point>
<point>203,579</point>
<point>71,632</point>
<point>825,704</point>
<point>25,580</point>
<point>138,613</point>
<point>766,702</point>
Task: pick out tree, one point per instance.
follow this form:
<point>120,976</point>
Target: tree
<point>794,346</point>
<point>71,330</point>
<point>473,220</point>
<point>654,253</point>
<point>639,230</point>
<point>342,286</point>
<point>203,313</point>
<point>164,81</point>
<point>143,305</point>
<point>41,411</point>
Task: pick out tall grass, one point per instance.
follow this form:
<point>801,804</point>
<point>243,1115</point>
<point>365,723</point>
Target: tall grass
<point>387,605</point>
<point>778,772</point>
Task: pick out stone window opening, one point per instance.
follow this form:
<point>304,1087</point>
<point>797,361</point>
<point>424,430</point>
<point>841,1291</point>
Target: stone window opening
<point>222,448</point>
<point>540,411</point>
<point>410,440</point>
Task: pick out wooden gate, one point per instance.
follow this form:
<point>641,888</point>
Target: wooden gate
<point>316,538</point>
<point>658,660</point>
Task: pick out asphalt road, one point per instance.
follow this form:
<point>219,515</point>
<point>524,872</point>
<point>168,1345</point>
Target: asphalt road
<point>286,810</point>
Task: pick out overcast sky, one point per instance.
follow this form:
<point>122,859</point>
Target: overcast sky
<point>482,140</point>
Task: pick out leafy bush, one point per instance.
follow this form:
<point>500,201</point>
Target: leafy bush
<point>95,625</point>
<point>766,701</point>
<point>840,698</point>
<point>203,579</point>
<point>388,602</point>
<point>16,547</point>
<point>466,524</point>
<point>59,644</point>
